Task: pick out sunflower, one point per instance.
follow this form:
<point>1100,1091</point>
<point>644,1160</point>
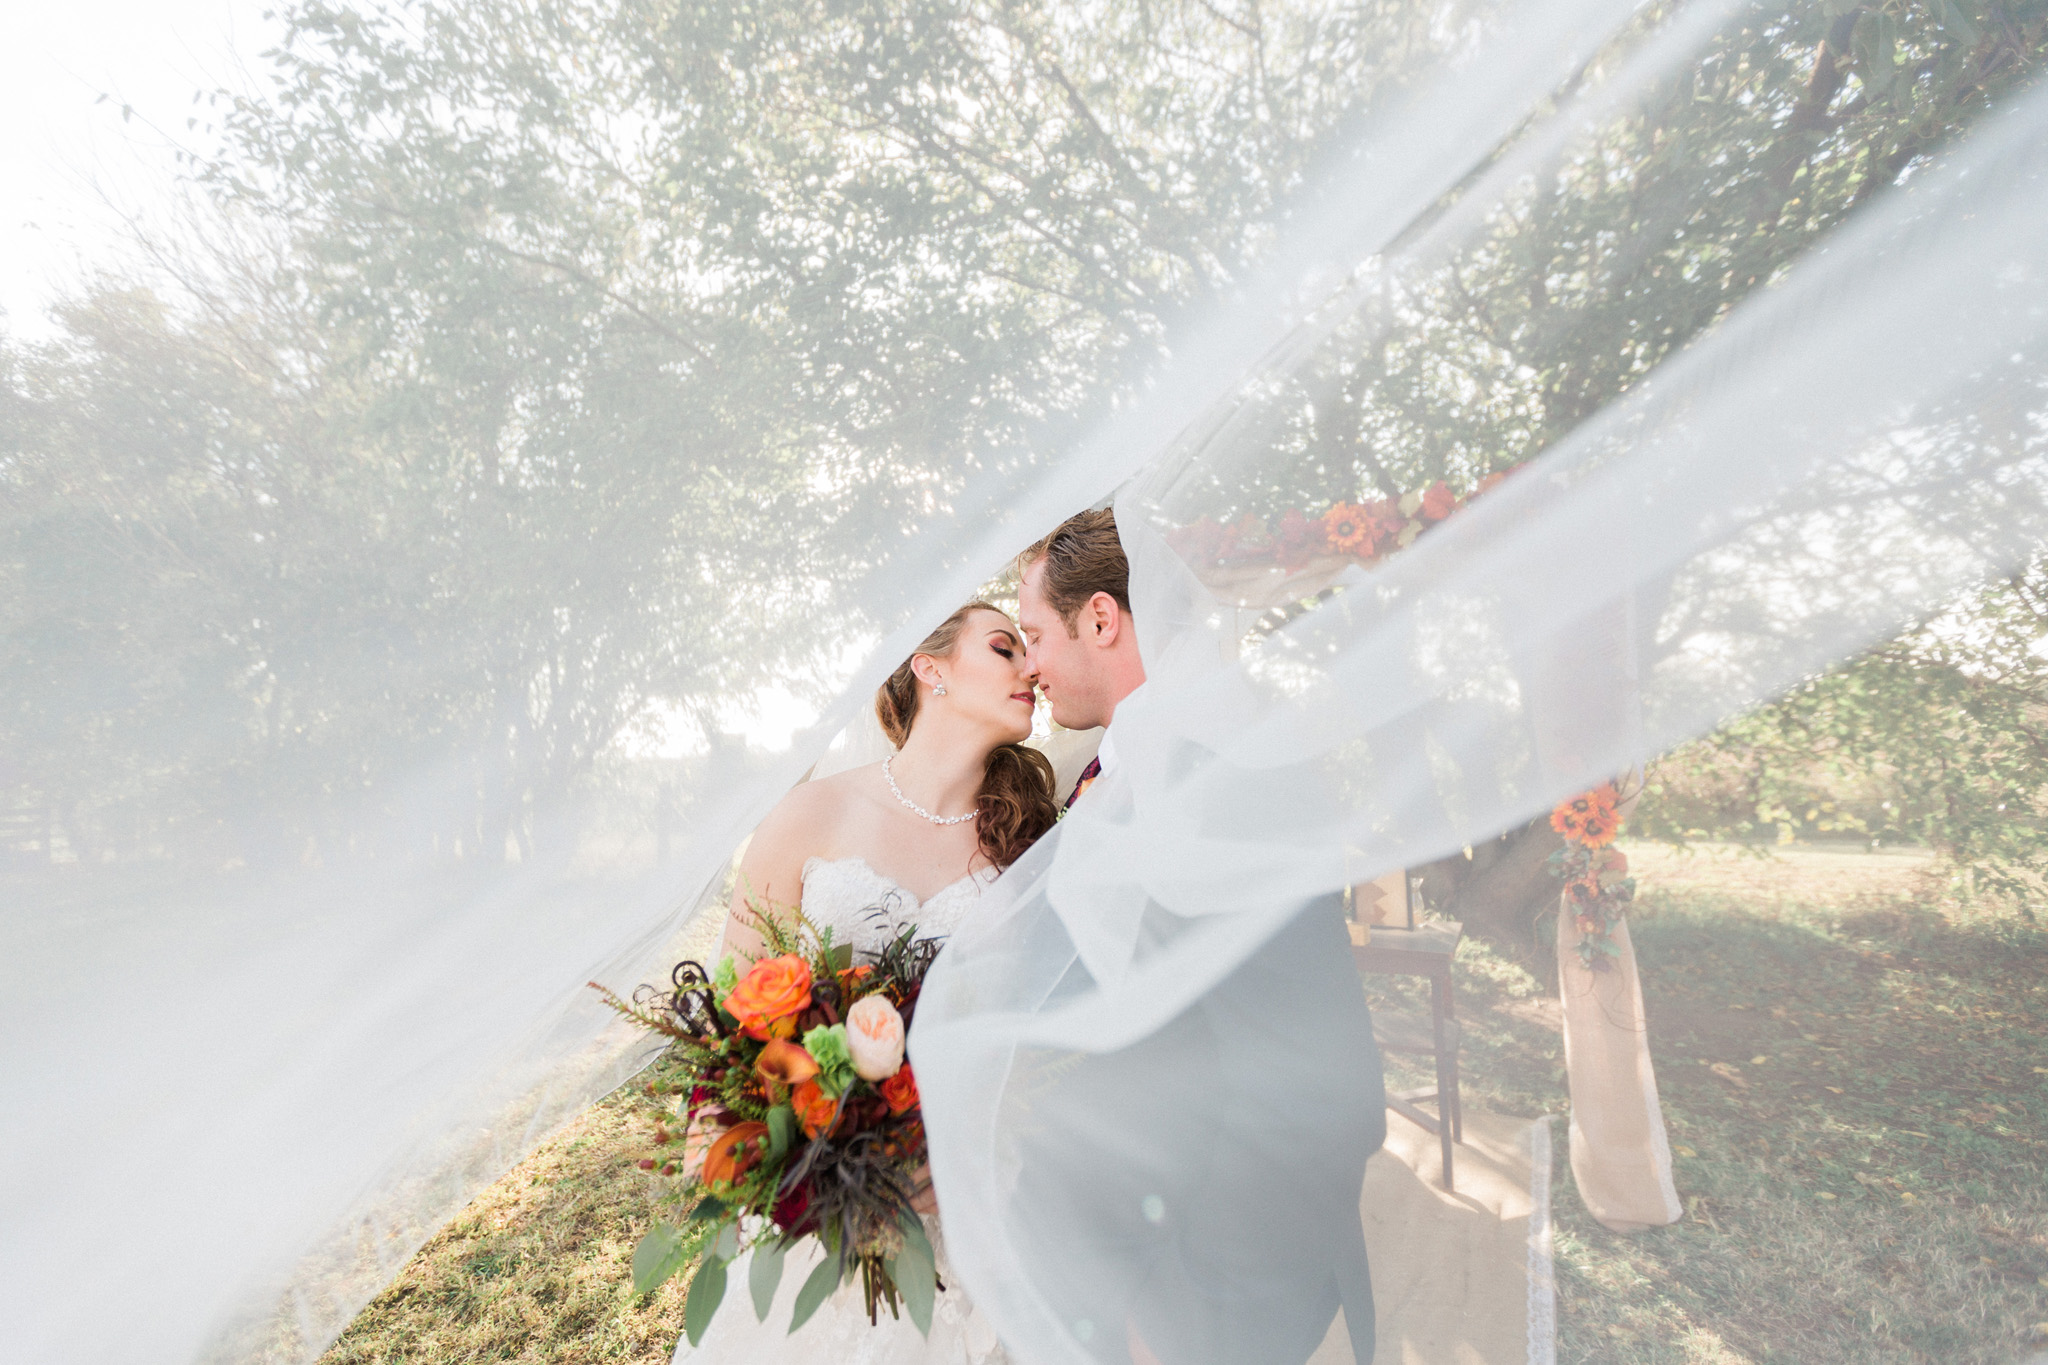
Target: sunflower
<point>1599,828</point>
<point>1588,819</point>
<point>1348,529</point>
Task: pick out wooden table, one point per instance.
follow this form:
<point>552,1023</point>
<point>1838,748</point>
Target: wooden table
<point>1424,951</point>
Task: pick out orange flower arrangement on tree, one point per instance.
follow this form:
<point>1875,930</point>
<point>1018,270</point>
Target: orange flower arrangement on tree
<point>1364,530</point>
<point>1597,886</point>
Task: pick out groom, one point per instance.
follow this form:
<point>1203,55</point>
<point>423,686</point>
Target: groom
<point>1268,1240</point>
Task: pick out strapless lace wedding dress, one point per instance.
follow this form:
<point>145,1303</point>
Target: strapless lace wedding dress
<point>866,909</point>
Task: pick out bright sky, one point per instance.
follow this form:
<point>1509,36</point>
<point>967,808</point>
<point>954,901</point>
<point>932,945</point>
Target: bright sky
<point>64,153</point>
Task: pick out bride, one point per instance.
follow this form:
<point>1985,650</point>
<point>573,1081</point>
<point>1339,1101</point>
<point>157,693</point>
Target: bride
<point>911,840</point>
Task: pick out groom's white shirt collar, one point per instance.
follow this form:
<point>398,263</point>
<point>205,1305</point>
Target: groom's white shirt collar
<point>1105,752</point>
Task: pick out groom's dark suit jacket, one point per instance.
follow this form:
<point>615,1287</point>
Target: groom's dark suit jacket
<point>1236,1242</point>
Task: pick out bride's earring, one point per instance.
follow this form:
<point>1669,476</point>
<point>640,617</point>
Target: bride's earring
<point>939,688</point>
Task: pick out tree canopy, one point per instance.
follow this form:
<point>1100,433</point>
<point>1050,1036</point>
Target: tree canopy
<point>570,320</point>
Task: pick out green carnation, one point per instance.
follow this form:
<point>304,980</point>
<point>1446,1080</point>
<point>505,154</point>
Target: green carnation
<point>828,1049</point>
<point>724,979</point>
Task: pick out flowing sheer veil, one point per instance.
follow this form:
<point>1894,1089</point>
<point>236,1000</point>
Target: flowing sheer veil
<point>267,1077</point>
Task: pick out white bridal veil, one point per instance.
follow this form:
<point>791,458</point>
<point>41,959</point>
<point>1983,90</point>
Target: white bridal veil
<point>241,1087</point>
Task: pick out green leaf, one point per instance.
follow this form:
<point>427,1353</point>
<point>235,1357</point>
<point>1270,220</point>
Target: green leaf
<point>816,1290</point>
<point>659,1255</point>
<point>764,1276</point>
<point>916,1277</point>
<point>707,1291</point>
<point>841,957</point>
<point>781,1131</point>
<point>1875,61</point>
<point>728,1244</point>
<point>709,1208</point>
<point>1956,20</point>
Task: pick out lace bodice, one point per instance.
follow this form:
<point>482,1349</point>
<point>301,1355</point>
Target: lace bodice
<point>867,909</point>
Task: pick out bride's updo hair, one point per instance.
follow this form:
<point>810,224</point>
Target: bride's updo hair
<point>1016,798</point>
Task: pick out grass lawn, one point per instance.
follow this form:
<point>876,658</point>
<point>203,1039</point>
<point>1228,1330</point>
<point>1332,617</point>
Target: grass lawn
<point>1855,1079</point>
<point>1854,1073</point>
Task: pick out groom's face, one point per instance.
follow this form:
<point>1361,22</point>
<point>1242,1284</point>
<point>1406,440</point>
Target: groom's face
<point>1068,668</point>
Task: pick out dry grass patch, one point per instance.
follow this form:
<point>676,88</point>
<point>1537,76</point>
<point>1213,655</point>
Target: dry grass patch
<point>538,1267</point>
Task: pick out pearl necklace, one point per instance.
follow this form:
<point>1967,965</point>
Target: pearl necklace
<point>890,778</point>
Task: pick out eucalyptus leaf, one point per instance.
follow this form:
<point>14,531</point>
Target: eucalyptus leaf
<point>917,1280</point>
<point>781,1131</point>
<point>659,1255</point>
<point>764,1276</point>
<point>708,1210</point>
<point>707,1291</point>
<point>916,1275</point>
<point>913,1234</point>
<point>728,1244</point>
<point>816,1290</point>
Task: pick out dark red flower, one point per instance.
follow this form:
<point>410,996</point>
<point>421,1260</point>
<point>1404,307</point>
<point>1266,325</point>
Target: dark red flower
<point>1296,539</point>
<point>791,1208</point>
<point>1438,502</point>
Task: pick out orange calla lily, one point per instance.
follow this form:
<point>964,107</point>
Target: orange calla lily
<point>737,1151</point>
<point>784,1063</point>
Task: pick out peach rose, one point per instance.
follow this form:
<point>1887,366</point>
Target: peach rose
<point>900,1090</point>
<point>874,1035</point>
<point>737,1151</point>
<point>814,1108</point>
<point>771,996</point>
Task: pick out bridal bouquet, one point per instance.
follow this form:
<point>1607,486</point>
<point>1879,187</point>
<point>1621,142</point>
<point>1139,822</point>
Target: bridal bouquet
<point>794,1071</point>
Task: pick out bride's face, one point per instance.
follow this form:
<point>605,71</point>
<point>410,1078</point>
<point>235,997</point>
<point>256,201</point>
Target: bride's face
<point>988,685</point>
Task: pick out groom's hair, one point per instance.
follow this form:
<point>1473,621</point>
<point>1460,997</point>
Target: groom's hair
<point>1082,557</point>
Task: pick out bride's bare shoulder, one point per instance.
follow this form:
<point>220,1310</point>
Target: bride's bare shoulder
<point>810,811</point>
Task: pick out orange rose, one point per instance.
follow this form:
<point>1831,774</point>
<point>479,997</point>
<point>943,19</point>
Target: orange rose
<point>1438,502</point>
<point>900,1090</point>
<point>737,1151</point>
<point>814,1108</point>
<point>784,1064</point>
<point>771,996</point>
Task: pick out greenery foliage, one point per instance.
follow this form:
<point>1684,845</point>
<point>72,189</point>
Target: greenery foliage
<point>1938,738</point>
<point>540,357</point>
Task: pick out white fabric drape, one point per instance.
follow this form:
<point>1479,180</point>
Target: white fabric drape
<point>267,1083</point>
